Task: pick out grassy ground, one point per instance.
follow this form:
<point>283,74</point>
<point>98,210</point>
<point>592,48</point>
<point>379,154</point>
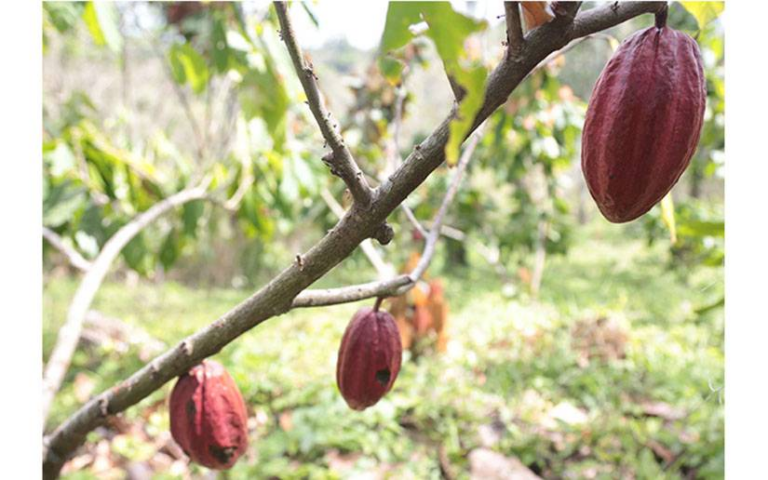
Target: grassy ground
<point>611,373</point>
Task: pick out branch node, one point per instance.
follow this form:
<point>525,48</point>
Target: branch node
<point>187,347</point>
<point>384,234</point>
<point>300,261</point>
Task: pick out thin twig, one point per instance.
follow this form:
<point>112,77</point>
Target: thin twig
<point>434,233</point>
<point>342,163</point>
<point>515,40</point>
<point>73,256</point>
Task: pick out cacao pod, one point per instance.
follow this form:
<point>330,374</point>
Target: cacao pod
<point>643,122</point>
<point>369,358</point>
<point>208,416</point>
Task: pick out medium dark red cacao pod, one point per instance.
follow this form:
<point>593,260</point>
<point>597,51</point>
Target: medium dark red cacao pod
<point>643,122</point>
<point>369,358</point>
<point>208,416</point>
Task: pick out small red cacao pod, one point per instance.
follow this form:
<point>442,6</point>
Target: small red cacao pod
<point>369,358</point>
<point>208,416</point>
<point>643,122</point>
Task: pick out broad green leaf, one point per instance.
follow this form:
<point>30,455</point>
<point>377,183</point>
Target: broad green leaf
<point>62,203</point>
<point>170,249</point>
<point>391,68</point>
<point>177,67</point>
<point>188,66</point>
<point>62,15</point>
<point>473,82</point>
<point>219,47</point>
<point>447,29</point>
<point>135,255</point>
<point>102,21</point>
<point>700,228</point>
<point>191,215</point>
<point>668,216</point>
<point>400,16</point>
<point>704,12</point>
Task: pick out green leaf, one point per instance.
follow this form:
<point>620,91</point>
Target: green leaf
<point>447,29</point>
<point>704,12</point>
<point>170,249</point>
<point>219,47</point>
<point>101,18</point>
<point>400,16</point>
<point>61,204</point>
<point>135,254</point>
<point>62,15</point>
<point>473,82</point>
<point>702,229</point>
<point>191,215</point>
<point>188,66</point>
<point>391,68</point>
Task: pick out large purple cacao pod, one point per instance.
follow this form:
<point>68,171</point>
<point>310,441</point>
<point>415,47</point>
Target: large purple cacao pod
<point>208,416</point>
<point>369,358</point>
<point>643,122</point>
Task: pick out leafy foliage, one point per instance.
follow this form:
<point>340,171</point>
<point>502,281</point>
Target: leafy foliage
<point>449,31</point>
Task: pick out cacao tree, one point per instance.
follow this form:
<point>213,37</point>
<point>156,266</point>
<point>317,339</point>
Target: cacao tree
<point>94,188</point>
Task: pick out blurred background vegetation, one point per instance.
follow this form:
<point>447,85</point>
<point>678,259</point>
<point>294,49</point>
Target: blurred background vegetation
<point>577,348</point>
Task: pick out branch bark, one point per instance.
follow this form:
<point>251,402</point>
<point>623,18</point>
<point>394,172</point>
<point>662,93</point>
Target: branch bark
<point>341,161</point>
<point>358,223</point>
<point>385,269</point>
<point>515,40</point>
<point>73,256</point>
<point>69,334</point>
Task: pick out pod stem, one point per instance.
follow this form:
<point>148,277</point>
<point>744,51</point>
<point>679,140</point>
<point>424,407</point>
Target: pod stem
<point>661,17</point>
<point>377,304</point>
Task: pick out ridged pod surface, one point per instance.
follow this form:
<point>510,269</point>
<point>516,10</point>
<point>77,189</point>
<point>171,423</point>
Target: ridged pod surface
<point>208,416</point>
<point>369,358</point>
<point>643,122</point>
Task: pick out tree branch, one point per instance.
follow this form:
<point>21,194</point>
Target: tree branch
<point>341,161</point>
<point>73,256</point>
<point>384,269</point>
<point>434,233</point>
<point>358,224</point>
<point>69,334</point>
<point>401,283</point>
<point>515,40</point>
